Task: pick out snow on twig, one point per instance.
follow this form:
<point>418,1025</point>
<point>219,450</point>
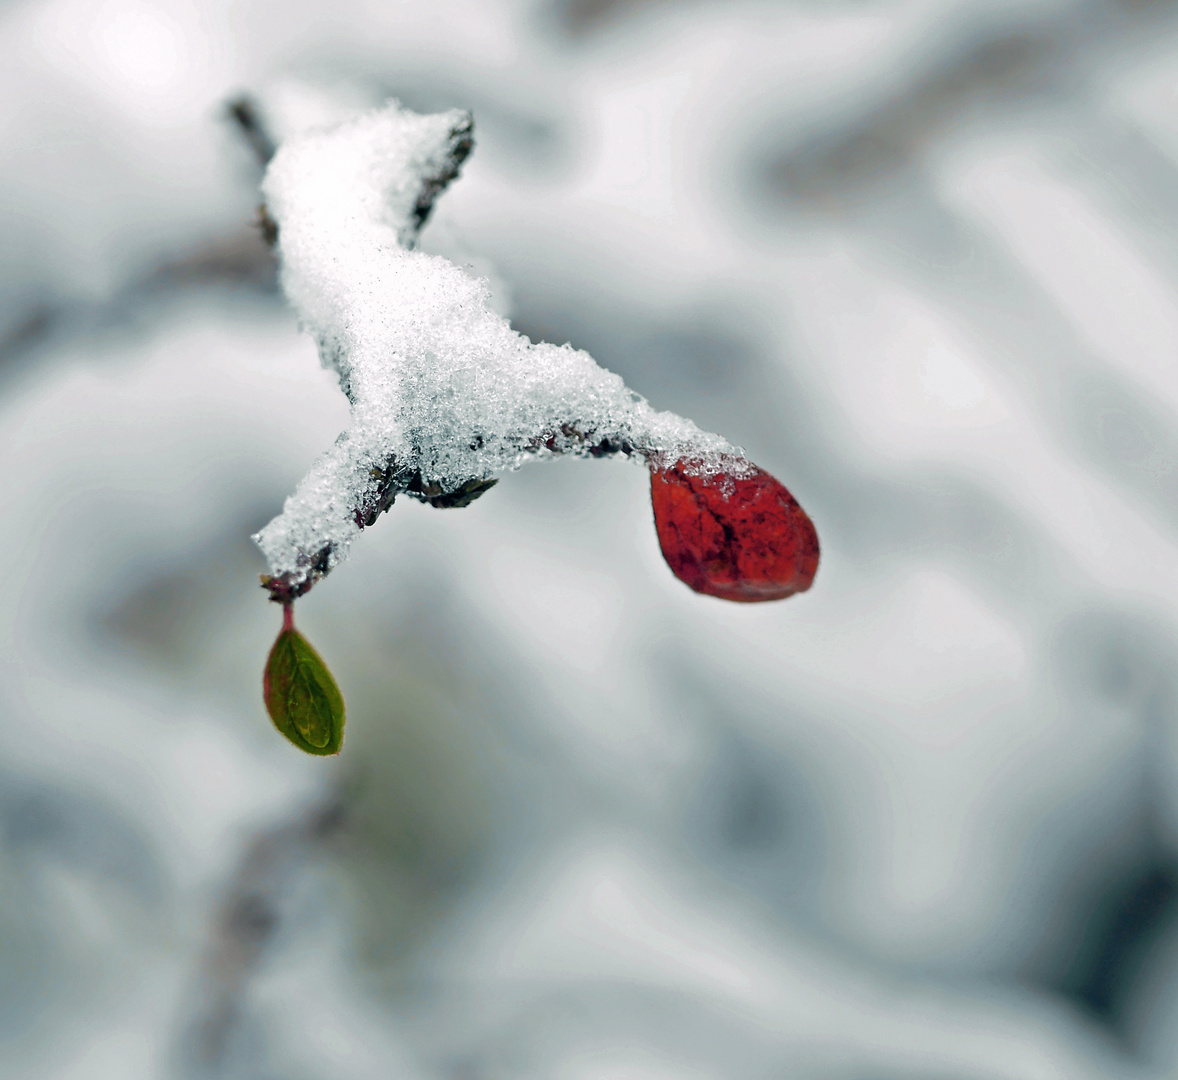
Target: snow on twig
<point>444,394</point>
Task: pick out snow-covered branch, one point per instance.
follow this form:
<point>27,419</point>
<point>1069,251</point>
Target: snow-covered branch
<point>445,394</point>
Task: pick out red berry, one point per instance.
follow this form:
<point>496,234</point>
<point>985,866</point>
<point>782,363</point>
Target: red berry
<point>740,538</point>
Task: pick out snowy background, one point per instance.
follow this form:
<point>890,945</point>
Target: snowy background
<point>919,257</point>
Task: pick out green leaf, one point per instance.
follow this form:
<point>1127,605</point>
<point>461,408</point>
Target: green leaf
<point>302,697</point>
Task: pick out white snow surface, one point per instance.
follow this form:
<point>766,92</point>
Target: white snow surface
<point>441,386</point>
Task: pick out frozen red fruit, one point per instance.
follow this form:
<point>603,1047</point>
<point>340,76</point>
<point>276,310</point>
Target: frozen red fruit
<point>740,538</point>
